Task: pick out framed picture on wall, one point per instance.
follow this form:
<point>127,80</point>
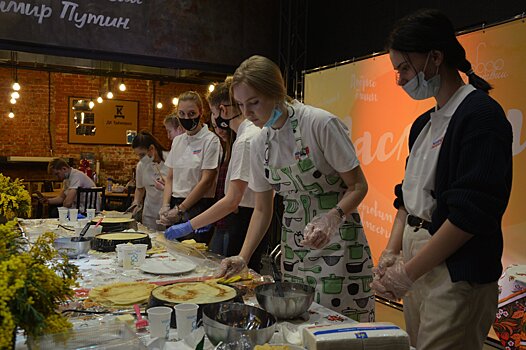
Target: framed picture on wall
<point>106,123</point>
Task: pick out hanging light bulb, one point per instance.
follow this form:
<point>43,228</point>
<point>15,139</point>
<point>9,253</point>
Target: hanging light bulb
<point>122,86</point>
<point>109,95</point>
<point>211,87</point>
<point>12,100</point>
<point>15,94</point>
<point>91,104</point>
<point>11,114</point>
<point>99,99</point>
<point>159,105</point>
<point>16,86</point>
<point>175,101</point>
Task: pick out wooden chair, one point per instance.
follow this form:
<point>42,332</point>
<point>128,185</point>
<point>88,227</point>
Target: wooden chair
<point>91,198</point>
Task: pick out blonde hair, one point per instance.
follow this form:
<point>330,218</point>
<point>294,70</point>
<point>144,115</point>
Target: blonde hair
<point>194,97</point>
<point>221,93</point>
<point>172,120</point>
<point>263,75</point>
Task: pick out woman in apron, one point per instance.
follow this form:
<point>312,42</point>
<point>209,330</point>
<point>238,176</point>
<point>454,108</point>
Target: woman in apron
<point>456,188</point>
<point>150,172</point>
<point>304,154</point>
<point>193,162</point>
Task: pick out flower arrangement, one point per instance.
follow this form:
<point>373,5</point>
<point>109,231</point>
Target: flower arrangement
<point>14,199</point>
<point>33,282</point>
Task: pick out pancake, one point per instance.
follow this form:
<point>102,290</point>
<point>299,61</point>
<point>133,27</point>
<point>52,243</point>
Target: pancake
<point>122,293</point>
<point>113,220</point>
<point>122,236</point>
<point>194,292</point>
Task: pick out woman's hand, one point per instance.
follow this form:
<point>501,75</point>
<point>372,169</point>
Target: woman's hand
<point>320,230</point>
<point>178,231</point>
<point>234,265</point>
<point>394,283</point>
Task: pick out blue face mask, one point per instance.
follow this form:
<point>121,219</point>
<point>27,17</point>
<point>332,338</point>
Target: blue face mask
<point>276,113</point>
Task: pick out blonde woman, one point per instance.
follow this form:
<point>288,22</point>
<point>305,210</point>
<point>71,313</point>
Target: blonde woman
<point>193,164</point>
<point>304,154</point>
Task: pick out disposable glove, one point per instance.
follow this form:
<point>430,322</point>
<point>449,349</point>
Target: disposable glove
<point>178,231</point>
<point>164,209</point>
<point>387,258</point>
<point>395,282</point>
<point>320,230</point>
<point>170,217</point>
<point>234,265</point>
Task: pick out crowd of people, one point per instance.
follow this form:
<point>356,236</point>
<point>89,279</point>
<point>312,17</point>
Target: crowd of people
<point>217,185</point>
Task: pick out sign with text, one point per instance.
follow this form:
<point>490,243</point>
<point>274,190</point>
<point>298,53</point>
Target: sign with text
<point>379,115</point>
<point>106,123</point>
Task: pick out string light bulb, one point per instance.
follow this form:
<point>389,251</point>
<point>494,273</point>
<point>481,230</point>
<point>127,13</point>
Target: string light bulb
<point>12,100</point>
<point>122,86</point>
<point>15,95</point>
<point>175,101</point>
<point>109,95</point>
<point>211,87</point>
<point>16,86</point>
<point>159,105</point>
<point>11,114</point>
<point>99,99</point>
<point>91,104</point>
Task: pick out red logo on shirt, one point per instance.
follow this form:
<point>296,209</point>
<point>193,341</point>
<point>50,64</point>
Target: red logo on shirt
<point>437,143</point>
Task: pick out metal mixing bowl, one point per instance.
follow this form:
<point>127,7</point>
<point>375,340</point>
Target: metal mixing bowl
<point>227,322</point>
<point>296,300</point>
<point>72,248</point>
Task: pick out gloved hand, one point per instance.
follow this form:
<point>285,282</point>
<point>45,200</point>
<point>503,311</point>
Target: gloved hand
<point>395,282</point>
<point>170,217</point>
<point>164,209</point>
<point>319,231</point>
<point>387,258</point>
<point>178,231</point>
<point>234,265</point>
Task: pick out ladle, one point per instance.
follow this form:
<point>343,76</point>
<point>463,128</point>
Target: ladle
<point>80,238</point>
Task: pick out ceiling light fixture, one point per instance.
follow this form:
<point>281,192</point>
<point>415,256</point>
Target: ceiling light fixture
<point>211,87</point>
<point>122,86</point>
<point>91,104</point>
<point>12,100</point>
<point>11,114</point>
<point>15,95</point>
<point>159,105</point>
<point>175,101</point>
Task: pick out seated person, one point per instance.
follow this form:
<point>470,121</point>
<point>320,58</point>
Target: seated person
<point>72,179</point>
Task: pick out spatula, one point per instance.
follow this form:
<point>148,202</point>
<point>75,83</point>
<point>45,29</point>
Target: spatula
<point>141,322</point>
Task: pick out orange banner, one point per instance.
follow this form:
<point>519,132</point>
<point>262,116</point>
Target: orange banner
<point>379,115</point>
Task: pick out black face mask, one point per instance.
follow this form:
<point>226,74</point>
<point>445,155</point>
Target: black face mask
<point>224,123</point>
<point>189,124</point>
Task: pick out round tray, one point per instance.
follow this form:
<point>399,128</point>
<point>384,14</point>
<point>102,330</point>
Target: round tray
<point>109,244</point>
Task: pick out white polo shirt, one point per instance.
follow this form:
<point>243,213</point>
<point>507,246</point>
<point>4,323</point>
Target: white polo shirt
<point>146,174</point>
<point>239,165</point>
<point>189,156</point>
<point>324,134</point>
<point>419,179</point>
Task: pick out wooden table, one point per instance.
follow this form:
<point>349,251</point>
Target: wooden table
<point>123,200</point>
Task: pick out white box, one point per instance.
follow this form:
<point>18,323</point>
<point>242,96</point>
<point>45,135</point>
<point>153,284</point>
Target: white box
<point>356,336</point>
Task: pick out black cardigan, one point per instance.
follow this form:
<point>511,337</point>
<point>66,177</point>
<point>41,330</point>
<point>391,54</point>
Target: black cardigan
<point>472,184</point>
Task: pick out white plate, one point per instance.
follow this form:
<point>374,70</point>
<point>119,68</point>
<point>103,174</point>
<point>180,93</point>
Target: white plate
<point>167,267</point>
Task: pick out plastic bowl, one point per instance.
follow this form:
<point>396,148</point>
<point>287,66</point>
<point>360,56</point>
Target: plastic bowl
<point>227,322</point>
<point>296,300</point>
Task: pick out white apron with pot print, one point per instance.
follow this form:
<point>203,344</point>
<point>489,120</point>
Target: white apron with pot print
<point>341,271</point>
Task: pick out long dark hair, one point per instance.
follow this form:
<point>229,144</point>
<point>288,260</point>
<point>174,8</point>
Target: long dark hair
<point>430,29</point>
<point>145,139</point>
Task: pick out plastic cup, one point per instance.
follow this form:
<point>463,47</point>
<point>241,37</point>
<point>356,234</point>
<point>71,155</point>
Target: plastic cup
<point>141,251</point>
<point>130,256</point>
<point>186,319</point>
<point>73,214</point>
<point>159,320</point>
<point>90,214</point>
<point>62,214</point>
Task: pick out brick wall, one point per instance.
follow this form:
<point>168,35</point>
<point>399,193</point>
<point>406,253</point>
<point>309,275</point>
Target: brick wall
<point>28,133</point>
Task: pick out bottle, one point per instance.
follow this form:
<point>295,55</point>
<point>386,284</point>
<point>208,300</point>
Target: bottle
<point>109,185</point>
<point>95,178</point>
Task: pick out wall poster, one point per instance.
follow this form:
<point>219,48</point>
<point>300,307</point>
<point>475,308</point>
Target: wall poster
<point>106,123</point>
